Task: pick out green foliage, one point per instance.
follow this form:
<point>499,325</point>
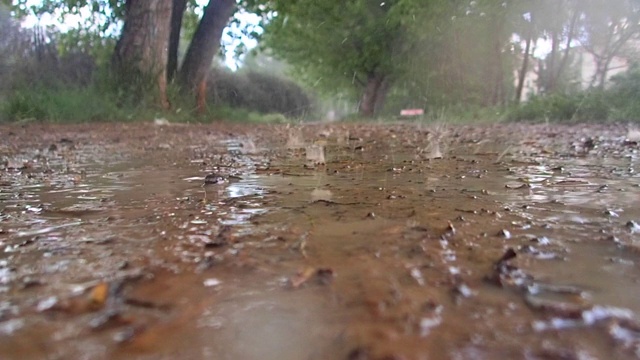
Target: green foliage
<point>462,55</point>
<point>625,93</point>
<point>69,89</point>
<point>552,107</point>
<point>93,103</point>
<point>104,18</point>
<point>40,85</point>
<point>53,76</point>
<point>100,102</point>
<point>580,107</point>
<point>619,102</point>
<point>60,105</point>
<point>240,115</point>
<point>13,44</point>
<point>437,54</point>
<point>336,44</point>
<point>85,41</point>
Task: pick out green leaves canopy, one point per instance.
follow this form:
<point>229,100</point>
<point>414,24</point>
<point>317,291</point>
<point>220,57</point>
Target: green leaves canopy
<point>338,44</point>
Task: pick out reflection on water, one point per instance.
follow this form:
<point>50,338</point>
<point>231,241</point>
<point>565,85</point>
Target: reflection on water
<point>574,182</point>
<point>248,186</point>
<point>582,206</point>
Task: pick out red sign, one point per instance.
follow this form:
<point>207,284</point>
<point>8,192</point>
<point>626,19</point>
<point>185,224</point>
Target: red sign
<point>411,112</point>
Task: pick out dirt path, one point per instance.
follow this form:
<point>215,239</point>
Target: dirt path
<point>334,241</point>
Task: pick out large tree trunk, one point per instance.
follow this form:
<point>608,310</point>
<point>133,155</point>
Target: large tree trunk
<point>373,96</point>
<point>205,44</point>
<point>141,52</point>
<point>179,7</point>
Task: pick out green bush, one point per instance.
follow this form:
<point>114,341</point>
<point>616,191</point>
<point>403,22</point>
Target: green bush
<point>262,93</point>
<point>580,107</point>
<point>618,102</point>
<point>595,106</point>
<point>555,107</point>
<point>625,95</point>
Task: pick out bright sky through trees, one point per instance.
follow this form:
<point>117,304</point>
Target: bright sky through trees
<point>231,43</point>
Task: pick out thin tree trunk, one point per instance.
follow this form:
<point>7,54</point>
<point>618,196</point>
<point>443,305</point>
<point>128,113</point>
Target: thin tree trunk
<point>549,76</point>
<point>177,14</point>
<point>549,85</point>
<point>498,78</point>
<point>498,90</point>
<point>616,38</point>
<point>594,77</point>
<point>603,72</point>
<point>495,68</point>
<point>613,50</point>
<point>525,67</point>
<point>141,51</point>
<point>205,44</point>
<point>567,50</point>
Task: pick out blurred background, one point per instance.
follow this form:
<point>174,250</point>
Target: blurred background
<point>310,60</point>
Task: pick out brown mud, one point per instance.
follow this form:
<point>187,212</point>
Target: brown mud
<point>401,241</point>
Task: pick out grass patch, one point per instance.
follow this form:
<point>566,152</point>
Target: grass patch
<point>59,105</point>
<point>91,104</point>
<point>228,113</point>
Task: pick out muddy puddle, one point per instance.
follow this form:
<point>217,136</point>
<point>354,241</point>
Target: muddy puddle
<point>404,241</point>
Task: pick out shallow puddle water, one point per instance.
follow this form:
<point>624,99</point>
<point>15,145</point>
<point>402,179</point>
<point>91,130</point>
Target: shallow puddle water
<point>402,241</point>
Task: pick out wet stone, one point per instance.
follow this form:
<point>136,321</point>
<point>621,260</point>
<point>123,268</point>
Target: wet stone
<point>213,179</point>
<point>632,226</point>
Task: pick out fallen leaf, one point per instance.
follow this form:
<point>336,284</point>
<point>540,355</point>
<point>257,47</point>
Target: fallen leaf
<point>302,277</point>
<point>323,275</point>
<point>98,296</point>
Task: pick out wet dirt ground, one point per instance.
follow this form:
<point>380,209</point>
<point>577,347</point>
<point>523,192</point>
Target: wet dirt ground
<point>359,241</point>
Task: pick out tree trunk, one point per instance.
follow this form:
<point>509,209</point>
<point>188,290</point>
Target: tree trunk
<point>604,71</point>
<point>493,66</point>
<point>205,44</point>
<point>559,61</point>
<point>595,76</point>
<point>373,96</point>
<point>603,61</point>
<point>549,81</point>
<point>177,13</point>
<point>381,96</point>
<point>567,49</point>
<point>141,52</point>
<point>525,67</point>
<point>498,75</point>
<point>498,85</point>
